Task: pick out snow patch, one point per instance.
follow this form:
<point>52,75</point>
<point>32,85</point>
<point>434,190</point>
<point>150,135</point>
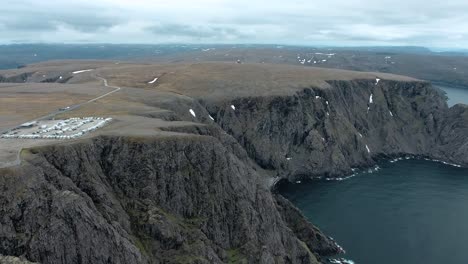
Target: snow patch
<point>77,72</point>
<point>317,97</point>
<point>192,112</point>
<point>153,81</point>
<point>360,135</point>
<point>326,102</point>
<point>326,54</point>
<point>233,107</point>
<point>368,150</point>
<point>377,80</point>
<point>391,114</point>
<point>371,100</point>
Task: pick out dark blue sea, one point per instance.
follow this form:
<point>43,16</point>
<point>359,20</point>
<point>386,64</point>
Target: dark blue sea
<point>408,212</point>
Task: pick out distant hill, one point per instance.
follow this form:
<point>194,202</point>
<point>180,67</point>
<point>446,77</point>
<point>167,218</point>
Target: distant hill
<point>12,56</point>
<point>449,67</point>
<point>390,49</point>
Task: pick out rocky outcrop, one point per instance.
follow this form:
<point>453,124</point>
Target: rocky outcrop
<point>57,79</point>
<point>453,143</point>
<point>350,124</point>
<point>176,199</point>
<point>13,260</point>
<point>305,231</point>
<point>20,78</point>
<point>28,77</point>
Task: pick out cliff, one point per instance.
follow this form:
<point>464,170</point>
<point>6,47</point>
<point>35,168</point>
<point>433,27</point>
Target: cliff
<point>327,132</point>
<point>176,199</point>
<point>197,188</point>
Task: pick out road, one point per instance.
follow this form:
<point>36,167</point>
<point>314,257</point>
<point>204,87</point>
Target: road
<point>17,161</point>
<point>73,107</point>
<point>116,89</point>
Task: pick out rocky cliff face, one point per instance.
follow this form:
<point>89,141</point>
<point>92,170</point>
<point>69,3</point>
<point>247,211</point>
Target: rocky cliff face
<point>453,143</point>
<point>20,78</point>
<point>176,199</point>
<point>351,124</point>
<point>201,194</point>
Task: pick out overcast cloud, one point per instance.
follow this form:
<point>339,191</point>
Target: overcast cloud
<point>332,22</point>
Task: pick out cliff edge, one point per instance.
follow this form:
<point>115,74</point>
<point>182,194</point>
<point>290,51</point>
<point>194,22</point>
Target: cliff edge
<point>184,173</point>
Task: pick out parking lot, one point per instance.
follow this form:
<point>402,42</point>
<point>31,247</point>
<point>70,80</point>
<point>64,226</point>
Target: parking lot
<point>56,129</point>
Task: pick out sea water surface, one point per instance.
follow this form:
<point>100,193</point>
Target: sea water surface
<point>455,95</point>
<point>409,212</point>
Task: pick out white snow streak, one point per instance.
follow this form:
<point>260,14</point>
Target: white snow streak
<point>390,113</point>
<point>368,150</point>
<point>77,72</point>
<point>153,81</point>
<point>193,113</point>
<point>377,80</point>
<point>211,117</point>
<point>326,54</point>
<point>371,100</point>
<point>233,107</point>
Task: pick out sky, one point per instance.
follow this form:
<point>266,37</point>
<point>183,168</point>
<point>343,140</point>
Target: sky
<point>427,23</point>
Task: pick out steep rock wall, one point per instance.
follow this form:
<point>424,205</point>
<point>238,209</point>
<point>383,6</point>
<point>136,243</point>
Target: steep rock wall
<point>179,199</point>
<point>351,124</point>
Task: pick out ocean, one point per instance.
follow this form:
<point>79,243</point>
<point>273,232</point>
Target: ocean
<point>408,212</point>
